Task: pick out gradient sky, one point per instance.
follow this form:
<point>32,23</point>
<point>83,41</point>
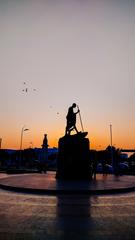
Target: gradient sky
<point>69,51</point>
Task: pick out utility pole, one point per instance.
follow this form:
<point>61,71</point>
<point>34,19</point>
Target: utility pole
<point>111,147</point>
<point>111,134</point>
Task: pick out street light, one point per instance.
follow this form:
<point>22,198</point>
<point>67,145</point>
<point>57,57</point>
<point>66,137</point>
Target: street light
<point>111,134</point>
<point>111,147</point>
<point>22,131</point>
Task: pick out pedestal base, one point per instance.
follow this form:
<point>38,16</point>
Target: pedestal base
<point>73,157</point>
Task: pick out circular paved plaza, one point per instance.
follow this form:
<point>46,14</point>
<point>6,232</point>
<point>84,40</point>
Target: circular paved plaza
<point>47,183</point>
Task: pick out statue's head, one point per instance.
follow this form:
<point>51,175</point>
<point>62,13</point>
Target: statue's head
<point>74,105</point>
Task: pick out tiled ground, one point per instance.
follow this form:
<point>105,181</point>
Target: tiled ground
<point>66,217</point>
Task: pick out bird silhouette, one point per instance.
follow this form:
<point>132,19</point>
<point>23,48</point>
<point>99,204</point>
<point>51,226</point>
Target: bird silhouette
<point>25,89</point>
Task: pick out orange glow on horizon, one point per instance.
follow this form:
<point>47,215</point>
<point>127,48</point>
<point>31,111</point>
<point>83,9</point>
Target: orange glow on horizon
<point>96,142</point>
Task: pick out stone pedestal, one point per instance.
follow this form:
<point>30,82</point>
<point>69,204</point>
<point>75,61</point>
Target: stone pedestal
<point>73,157</point>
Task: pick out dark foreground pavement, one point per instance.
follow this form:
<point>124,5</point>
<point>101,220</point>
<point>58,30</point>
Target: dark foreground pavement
<point>47,184</point>
<point>67,217</point>
<point>81,216</point>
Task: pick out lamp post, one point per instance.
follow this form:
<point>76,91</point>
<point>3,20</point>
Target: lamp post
<point>111,146</point>
<point>22,131</point>
<point>111,134</point>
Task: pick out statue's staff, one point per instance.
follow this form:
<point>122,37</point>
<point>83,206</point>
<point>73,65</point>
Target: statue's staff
<point>80,118</point>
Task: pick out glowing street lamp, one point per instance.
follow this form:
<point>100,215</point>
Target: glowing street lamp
<point>22,131</point>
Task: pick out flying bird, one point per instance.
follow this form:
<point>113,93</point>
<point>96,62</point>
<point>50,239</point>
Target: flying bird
<point>25,90</point>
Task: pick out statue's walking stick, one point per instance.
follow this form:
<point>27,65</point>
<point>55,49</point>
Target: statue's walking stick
<point>80,119</point>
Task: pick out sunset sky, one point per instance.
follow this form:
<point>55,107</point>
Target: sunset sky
<point>66,51</point>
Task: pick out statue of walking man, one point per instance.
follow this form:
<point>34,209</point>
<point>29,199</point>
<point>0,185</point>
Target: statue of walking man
<point>71,119</point>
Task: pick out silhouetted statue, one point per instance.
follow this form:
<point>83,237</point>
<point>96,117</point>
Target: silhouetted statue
<point>73,160</point>
<point>71,119</point>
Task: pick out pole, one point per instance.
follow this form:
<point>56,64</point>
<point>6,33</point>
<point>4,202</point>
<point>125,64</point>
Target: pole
<point>20,159</point>
<point>111,147</point>
<point>80,119</point>
<point>21,138</point>
<point>111,134</point>
<point>23,129</point>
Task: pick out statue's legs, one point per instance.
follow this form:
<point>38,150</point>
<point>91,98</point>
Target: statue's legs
<point>70,126</point>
